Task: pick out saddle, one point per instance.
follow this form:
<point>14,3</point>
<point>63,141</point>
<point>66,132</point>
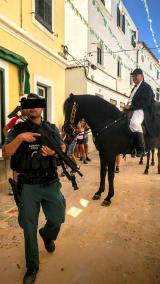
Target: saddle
<point>151,123</point>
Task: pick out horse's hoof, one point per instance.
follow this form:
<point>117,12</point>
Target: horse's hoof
<point>75,187</point>
<point>159,172</point>
<point>152,163</point>
<point>96,197</point>
<point>141,163</point>
<point>106,203</point>
<point>145,172</point>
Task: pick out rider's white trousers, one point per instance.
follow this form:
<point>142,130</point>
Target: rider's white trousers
<point>136,121</point>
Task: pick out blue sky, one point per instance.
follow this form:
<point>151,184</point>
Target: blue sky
<point>137,12</point>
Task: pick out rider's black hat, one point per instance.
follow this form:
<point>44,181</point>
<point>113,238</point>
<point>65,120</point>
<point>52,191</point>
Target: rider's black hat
<point>34,96</point>
<point>137,71</point>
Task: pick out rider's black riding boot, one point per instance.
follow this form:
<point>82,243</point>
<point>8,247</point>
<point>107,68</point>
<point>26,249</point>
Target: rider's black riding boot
<point>139,144</point>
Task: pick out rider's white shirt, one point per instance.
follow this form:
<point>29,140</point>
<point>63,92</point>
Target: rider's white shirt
<point>138,115</point>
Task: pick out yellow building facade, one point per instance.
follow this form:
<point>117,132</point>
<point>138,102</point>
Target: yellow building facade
<point>31,30</point>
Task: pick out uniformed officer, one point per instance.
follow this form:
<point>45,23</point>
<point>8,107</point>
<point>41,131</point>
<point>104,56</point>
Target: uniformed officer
<point>35,162</point>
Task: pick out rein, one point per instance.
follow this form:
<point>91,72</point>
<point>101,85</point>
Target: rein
<point>122,117</point>
<point>106,127</point>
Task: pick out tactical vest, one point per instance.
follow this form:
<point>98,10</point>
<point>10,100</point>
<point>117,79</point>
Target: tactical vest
<point>28,159</point>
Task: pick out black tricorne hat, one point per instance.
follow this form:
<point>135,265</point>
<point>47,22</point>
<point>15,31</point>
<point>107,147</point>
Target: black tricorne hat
<point>137,71</point>
<point>34,96</point>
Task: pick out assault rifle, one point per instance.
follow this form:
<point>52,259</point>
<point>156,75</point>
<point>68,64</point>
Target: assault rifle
<point>47,134</point>
<point>14,112</point>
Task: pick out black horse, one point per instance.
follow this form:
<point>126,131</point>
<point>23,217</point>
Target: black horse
<point>110,131</point>
<point>151,154</point>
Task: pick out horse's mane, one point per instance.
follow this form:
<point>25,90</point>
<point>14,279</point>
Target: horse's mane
<point>98,105</point>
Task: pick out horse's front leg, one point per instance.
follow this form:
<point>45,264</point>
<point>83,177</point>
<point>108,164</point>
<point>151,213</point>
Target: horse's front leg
<point>152,159</point>
<point>141,161</point>
<point>111,171</point>
<point>103,170</point>
<point>147,165</point>
<point>158,155</point>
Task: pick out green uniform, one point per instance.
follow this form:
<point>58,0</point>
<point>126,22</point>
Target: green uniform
<point>46,194</point>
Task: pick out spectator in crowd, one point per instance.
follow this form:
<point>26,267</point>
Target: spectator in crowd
<point>118,159</point>
<point>13,121</point>
<point>81,140</point>
<point>86,129</point>
<point>70,142</point>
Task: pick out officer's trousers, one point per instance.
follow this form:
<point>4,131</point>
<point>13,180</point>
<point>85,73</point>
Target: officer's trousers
<point>52,201</point>
<point>136,121</point>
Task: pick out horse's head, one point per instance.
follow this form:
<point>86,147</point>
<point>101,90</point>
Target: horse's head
<point>71,112</point>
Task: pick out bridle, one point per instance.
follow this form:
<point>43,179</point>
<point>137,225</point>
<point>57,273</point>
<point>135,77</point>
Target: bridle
<point>73,114</point>
<point>107,126</point>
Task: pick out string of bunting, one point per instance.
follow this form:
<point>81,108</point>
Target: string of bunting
<point>109,51</point>
<point>150,24</point>
<point>93,32</point>
<point>120,4</point>
<point>96,5</point>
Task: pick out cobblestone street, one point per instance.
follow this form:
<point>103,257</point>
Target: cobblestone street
<point>119,244</point>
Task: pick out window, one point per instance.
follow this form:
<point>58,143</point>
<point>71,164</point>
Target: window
<point>133,38</point>
<point>158,94</point>
<point>121,20</point>
<point>123,23</point>
<point>42,92</point>
<point>119,68</point>
<point>118,17</point>
<point>103,1</point>
<point>99,54</point>
<point>131,78</point>
<point>150,66</point>
<point>113,102</point>
<point>122,106</point>
<point>43,13</point>
<point>157,75</point>
<point>2,106</point>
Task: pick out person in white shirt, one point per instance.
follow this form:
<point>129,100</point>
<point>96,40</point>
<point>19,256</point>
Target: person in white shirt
<point>140,102</point>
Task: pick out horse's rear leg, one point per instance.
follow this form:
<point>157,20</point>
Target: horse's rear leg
<point>103,170</point>
<point>111,167</point>
<point>158,155</point>
<point>147,165</point>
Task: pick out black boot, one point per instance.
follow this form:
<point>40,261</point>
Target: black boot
<point>49,244</point>
<point>139,144</point>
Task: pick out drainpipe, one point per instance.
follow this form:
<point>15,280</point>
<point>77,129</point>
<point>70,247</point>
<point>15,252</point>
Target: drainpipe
<point>21,19</point>
<point>137,57</point>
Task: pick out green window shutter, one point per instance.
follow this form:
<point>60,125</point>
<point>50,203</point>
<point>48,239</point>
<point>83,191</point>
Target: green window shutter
<point>22,64</point>
<point>43,13</point>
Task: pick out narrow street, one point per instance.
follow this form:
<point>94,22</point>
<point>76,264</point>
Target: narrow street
<point>116,245</point>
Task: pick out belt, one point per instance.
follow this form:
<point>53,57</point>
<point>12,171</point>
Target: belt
<point>39,180</point>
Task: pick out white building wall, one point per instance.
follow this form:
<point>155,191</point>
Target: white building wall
<point>76,82</point>
<point>106,94</point>
<point>82,45</point>
<point>76,34</point>
<point>150,65</point>
<point>109,63</point>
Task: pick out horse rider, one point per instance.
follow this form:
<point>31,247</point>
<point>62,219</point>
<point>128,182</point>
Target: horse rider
<point>140,104</point>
